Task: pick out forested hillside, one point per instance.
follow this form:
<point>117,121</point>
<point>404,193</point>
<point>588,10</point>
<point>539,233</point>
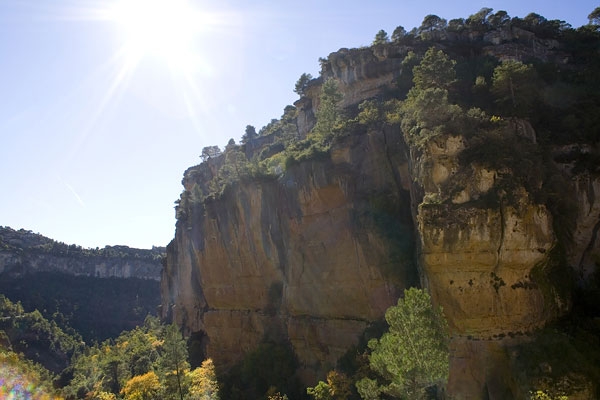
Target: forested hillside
<point>97,292</point>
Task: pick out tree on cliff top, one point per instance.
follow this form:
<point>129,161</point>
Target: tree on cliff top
<point>302,84</point>
<point>329,114</point>
<point>381,38</point>
<point>594,17</point>
<point>413,355</point>
<point>249,134</point>
<point>209,152</point>
<point>515,87</point>
<point>426,112</point>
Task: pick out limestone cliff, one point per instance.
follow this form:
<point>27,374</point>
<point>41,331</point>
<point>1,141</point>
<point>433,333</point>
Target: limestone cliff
<point>312,257</point>
<point>492,222</point>
<point>117,285</point>
<point>24,252</point>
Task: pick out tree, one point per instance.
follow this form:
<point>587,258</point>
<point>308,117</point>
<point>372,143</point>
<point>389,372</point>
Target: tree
<point>436,70</point>
<point>203,382</point>
<point>381,38</point>
<point>413,355</point>
<point>337,387</point>
<point>432,27</point>
<point>426,111</point>
<point>302,84</point>
<point>328,112</point>
<point>594,17</point>
<point>398,34</point>
<point>249,134</point>
<point>209,152</point>
<point>499,19</point>
<point>320,391</point>
<point>456,25</point>
<point>479,20</point>
<point>173,360</point>
<point>514,86</point>
<point>142,387</point>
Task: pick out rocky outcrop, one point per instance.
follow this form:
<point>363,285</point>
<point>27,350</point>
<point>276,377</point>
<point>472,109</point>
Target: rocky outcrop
<point>310,258</point>
<point>24,252</point>
<point>313,256</point>
<point>478,260</point>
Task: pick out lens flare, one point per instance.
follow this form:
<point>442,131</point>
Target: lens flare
<point>15,384</point>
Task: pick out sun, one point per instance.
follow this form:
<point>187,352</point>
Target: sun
<point>162,29</point>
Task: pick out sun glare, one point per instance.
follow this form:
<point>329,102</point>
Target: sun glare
<point>164,29</point>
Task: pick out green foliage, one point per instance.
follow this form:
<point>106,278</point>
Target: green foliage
<point>96,308</point>
<point>34,336</point>
<point>381,38</point>
<point>22,240</point>
<point>302,84</point>
<point>569,354</point>
<point>320,392</point>
<point>515,87</point>
<point>479,20</point>
<point>436,70</point>
<point>329,115</point>
<point>203,382</point>
<point>21,378</point>
<point>249,134</point>
<point>413,355</point>
<point>148,362</point>
<point>594,17</point>
<point>209,152</point>
<point>337,387</point>
<point>398,34</point>
<point>542,395</point>
<point>432,27</point>
<point>173,362</point>
<point>426,112</point>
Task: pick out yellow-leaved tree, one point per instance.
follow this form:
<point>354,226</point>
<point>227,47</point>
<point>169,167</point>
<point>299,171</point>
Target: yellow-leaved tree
<point>142,387</point>
<point>203,382</point>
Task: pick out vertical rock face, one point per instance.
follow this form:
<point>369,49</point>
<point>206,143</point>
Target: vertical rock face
<point>310,258</point>
<point>584,251</point>
<point>479,260</point>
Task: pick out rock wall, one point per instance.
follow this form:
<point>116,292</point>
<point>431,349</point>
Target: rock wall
<point>478,259</point>
<point>310,258</point>
<point>313,257</point>
<point>24,252</point>
<point>98,267</point>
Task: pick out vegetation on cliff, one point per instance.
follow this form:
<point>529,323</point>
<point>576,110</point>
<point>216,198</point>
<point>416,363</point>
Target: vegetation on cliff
<point>469,81</point>
<point>19,241</point>
<point>516,101</point>
<point>458,78</point>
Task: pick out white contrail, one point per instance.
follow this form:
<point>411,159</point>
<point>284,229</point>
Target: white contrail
<point>77,197</point>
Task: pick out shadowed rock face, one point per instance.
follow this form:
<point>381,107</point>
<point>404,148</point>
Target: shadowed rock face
<point>313,257</point>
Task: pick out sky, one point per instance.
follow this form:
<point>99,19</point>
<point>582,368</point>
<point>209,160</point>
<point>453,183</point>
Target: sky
<point>104,104</point>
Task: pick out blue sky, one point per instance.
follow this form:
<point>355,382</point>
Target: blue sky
<point>93,144</point>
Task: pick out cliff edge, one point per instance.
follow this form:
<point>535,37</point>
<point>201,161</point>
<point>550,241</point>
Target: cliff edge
<point>306,241</point>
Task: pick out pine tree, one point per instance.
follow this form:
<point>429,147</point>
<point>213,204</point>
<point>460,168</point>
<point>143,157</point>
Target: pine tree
<point>413,354</point>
